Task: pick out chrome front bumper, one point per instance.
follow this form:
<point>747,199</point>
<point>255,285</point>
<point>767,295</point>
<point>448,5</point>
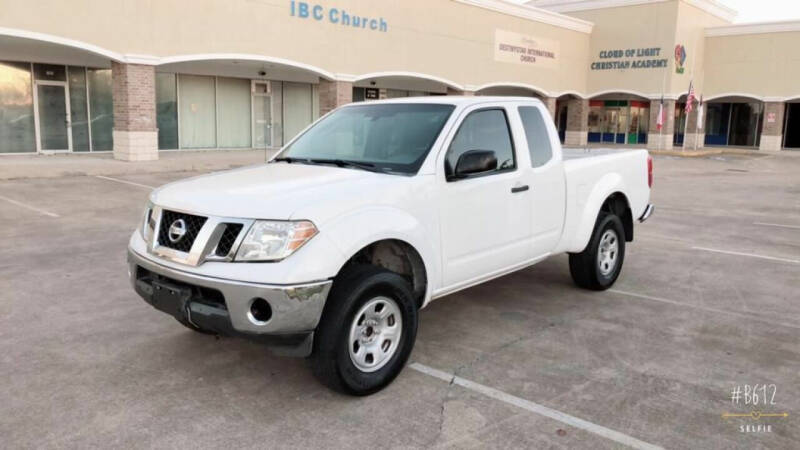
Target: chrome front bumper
<point>295,308</point>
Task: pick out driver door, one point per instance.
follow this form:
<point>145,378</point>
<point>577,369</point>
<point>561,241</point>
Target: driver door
<point>485,218</point>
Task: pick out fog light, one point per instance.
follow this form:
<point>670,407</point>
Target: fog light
<point>260,311</point>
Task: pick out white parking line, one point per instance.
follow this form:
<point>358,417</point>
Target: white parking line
<point>32,208</point>
<point>146,186</point>
<point>711,310</point>
<point>751,255</point>
<point>535,408</point>
<point>794,227</point>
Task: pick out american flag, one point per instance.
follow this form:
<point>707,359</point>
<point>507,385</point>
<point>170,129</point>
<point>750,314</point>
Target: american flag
<point>690,99</point>
<point>660,120</point>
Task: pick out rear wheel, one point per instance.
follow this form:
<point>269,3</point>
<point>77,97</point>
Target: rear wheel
<point>598,266</point>
<point>366,332</point>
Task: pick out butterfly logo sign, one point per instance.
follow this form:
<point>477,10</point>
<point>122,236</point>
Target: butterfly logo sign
<point>680,58</point>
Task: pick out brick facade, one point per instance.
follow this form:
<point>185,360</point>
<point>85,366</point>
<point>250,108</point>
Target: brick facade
<point>772,131</point>
<point>663,139</point>
<point>333,94</point>
<point>694,136</point>
<point>550,103</point>
<point>134,93</point>
<point>134,100</point>
<point>577,132</point>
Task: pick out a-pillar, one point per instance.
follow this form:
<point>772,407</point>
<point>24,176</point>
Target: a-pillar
<point>694,136</point>
<point>772,128</point>
<point>577,132</point>
<point>661,139</point>
<point>550,103</point>
<point>333,94</point>
<point>134,99</point>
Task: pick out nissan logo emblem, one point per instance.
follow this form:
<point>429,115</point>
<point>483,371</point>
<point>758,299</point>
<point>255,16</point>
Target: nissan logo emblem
<point>177,231</point>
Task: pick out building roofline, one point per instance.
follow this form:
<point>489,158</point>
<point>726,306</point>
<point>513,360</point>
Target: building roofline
<point>712,7</point>
<point>782,26</point>
<point>533,13</point>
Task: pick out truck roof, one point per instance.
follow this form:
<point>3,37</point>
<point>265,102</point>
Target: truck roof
<point>459,100</point>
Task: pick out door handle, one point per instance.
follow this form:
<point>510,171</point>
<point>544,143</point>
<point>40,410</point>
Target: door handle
<point>516,189</point>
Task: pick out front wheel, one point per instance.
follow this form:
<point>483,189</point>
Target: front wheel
<point>598,266</point>
<point>366,332</point>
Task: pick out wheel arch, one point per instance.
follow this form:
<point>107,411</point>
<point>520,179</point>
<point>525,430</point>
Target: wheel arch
<point>607,195</point>
<point>618,204</point>
<point>398,256</point>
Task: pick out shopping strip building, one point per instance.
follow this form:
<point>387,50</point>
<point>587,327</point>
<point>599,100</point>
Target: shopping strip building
<point>139,77</point>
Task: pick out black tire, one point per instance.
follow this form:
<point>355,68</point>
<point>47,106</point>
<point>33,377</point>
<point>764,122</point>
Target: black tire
<point>352,289</point>
<point>585,267</point>
<point>193,328</point>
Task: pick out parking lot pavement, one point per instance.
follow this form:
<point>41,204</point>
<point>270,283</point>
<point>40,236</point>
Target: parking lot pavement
<point>707,301</point>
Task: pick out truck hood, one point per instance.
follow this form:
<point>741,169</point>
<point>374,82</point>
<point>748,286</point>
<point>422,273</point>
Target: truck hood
<point>268,191</point>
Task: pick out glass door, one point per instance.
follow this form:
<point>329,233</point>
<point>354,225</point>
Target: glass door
<point>52,104</point>
<point>262,115</point>
<point>622,125</point>
<point>611,120</point>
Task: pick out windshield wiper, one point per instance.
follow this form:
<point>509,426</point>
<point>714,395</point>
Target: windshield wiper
<point>345,163</point>
<point>287,159</point>
<point>336,162</point>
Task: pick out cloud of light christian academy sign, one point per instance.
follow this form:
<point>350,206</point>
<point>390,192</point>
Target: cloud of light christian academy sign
<point>305,10</point>
<point>632,58</point>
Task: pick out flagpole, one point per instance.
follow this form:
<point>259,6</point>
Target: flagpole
<point>691,85</point>
<point>661,109</point>
<point>697,124</point>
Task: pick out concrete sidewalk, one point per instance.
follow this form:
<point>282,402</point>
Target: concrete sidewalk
<point>75,164</point>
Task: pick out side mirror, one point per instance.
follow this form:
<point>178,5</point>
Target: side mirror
<point>475,161</point>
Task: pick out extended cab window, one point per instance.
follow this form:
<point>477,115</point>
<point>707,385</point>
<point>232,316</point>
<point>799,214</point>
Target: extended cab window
<point>483,130</point>
<point>386,137</point>
<point>536,134</point>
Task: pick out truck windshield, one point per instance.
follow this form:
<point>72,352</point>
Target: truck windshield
<point>382,137</point>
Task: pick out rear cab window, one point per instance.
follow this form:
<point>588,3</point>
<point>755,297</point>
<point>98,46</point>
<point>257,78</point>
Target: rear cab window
<point>539,144</point>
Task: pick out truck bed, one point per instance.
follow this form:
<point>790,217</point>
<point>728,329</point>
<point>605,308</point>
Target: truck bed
<point>589,176</point>
<point>577,153</point>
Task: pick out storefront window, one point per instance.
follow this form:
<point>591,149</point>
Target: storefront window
<point>596,121</point>
<point>167,111</point>
<point>17,129</point>
<point>197,111</point>
<point>297,108</point>
<point>735,124</point>
<point>639,122</point>
<point>359,94</point>
<point>233,103</point>
<point>101,107</point>
<point>618,121</point>
<point>745,124</point>
<point>791,128</point>
<point>77,107</point>
<point>680,123</point>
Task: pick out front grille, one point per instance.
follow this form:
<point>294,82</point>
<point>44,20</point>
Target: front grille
<point>228,238</point>
<point>193,226</point>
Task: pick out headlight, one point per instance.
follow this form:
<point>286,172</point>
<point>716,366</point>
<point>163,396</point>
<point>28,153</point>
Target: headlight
<point>148,223</point>
<point>269,240</point>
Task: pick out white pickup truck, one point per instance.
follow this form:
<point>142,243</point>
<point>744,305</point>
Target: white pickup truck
<point>331,248</point>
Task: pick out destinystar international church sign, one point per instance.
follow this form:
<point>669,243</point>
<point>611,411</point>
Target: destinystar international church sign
<point>518,48</point>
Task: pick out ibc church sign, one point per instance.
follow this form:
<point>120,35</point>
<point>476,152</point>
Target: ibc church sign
<point>305,10</point>
<point>632,58</point>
